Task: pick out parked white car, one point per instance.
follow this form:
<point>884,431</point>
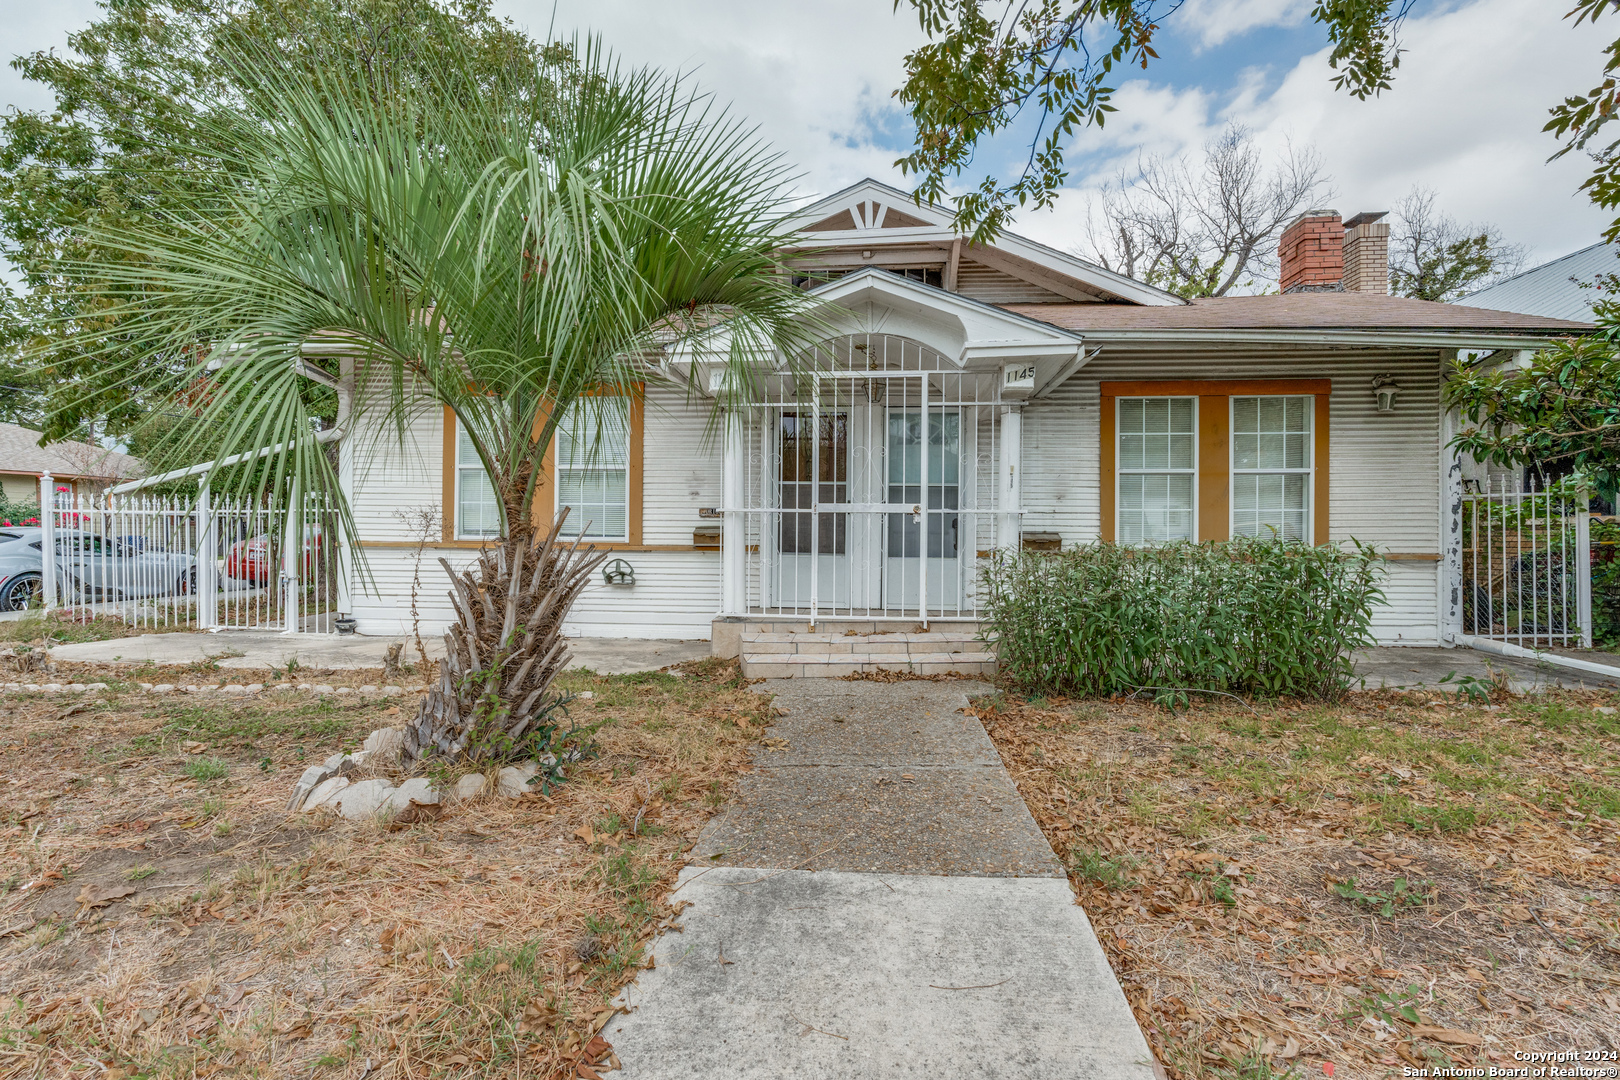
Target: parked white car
<point>89,569</point>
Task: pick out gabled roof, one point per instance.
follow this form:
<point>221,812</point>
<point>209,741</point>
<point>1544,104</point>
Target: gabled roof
<point>871,212</point>
<point>1320,316</point>
<point>20,452</point>
<point>1552,289</point>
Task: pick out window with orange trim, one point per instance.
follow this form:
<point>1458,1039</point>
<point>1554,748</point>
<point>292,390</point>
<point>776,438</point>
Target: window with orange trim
<point>1209,460</point>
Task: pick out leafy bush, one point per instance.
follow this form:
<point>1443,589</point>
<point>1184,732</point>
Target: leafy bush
<point>1250,616</point>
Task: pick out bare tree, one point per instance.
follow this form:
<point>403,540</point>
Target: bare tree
<point>1205,228</point>
<point>1433,257</point>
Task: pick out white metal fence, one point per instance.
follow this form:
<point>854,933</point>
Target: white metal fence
<point>1527,565</point>
<point>164,562</point>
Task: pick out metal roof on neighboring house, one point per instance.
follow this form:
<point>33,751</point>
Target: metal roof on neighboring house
<point>1552,289</point>
<point>20,452</point>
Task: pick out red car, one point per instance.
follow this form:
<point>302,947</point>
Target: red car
<point>251,559</point>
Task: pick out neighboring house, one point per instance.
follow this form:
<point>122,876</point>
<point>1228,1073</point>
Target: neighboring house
<point>981,397</point>
<point>1560,289</point>
<point>79,466</point>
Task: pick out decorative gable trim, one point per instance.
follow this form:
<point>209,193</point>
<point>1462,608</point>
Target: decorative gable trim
<point>870,217</point>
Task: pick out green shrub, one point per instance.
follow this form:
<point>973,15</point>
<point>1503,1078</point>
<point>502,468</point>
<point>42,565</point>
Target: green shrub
<point>1250,616</point>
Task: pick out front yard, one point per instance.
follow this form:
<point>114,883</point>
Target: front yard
<point>1390,882</point>
<point>1382,885</point>
<point>162,916</point>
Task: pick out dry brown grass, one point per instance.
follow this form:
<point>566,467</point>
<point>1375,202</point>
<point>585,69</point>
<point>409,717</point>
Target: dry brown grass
<point>1218,852</point>
<point>485,943</point>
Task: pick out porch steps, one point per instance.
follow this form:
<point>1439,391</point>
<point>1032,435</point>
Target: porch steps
<point>834,654</point>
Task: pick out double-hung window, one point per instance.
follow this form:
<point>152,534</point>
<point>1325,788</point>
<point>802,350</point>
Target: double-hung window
<point>1271,466</point>
<point>593,470</point>
<point>1157,481</point>
<point>478,512</point>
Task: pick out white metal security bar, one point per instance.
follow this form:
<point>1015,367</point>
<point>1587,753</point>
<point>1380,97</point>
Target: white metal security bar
<point>870,488</point>
<point>1527,565</point>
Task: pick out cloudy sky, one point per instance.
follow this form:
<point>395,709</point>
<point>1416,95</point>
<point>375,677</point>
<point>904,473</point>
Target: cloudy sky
<point>1464,118</point>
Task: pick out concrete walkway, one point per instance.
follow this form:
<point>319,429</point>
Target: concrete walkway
<point>1422,669</point>
<point>878,903</point>
<point>251,649</point>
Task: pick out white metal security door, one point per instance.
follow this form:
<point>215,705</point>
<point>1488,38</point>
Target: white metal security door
<point>871,489</point>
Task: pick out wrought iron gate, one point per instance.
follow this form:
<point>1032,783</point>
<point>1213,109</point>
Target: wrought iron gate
<point>1527,565</point>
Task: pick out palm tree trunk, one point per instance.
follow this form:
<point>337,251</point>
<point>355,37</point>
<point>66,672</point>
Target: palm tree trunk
<point>503,650</point>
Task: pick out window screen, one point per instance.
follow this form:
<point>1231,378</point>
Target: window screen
<point>1271,466</point>
<point>1156,463</point>
<point>593,469</point>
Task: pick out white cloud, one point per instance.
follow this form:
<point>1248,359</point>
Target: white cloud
<point>34,28</point>
<point>816,77</point>
<point>1214,21</point>
<point>1464,118</point>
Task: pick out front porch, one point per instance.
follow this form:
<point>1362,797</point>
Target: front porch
<point>868,488</point>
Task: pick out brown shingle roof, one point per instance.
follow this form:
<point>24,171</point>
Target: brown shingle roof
<point>1296,311</point>
<point>20,452</point>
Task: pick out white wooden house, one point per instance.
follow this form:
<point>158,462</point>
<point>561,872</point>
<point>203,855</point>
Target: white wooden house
<point>976,397</point>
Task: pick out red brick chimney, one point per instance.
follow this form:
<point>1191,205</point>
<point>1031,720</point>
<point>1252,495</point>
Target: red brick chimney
<point>1312,253</point>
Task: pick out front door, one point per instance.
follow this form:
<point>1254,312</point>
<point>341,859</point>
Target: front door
<point>812,548</point>
<point>922,563</point>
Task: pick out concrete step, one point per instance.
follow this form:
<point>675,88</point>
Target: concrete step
<point>836,665</point>
<point>833,653</point>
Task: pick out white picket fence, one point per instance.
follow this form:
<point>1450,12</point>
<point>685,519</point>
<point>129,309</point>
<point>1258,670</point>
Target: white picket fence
<point>202,563</point>
<point>1527,565</point>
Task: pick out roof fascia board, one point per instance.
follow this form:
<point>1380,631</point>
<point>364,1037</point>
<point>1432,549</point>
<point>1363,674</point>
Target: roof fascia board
<point>1420,339</point>
<point>1056,262</point>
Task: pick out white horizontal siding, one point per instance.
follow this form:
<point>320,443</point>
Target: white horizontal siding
<point>1412,594</point>
<point>682,466</point>
<point>676,595</point>
<point>390,481</point>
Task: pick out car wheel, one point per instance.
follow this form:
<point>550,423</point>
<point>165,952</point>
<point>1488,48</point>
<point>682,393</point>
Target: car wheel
<point>187,585</point>
<point>20,592</point>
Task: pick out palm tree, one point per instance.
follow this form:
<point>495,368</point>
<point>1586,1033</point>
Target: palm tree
<point>508,252</point>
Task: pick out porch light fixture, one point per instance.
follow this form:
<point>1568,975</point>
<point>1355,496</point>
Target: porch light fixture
<point>1384,390</point>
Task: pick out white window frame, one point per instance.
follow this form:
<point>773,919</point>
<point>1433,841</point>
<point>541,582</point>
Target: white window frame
<point>1233,472</point>
<point>457,465</point>
<point>557,472</point>
<point>1120,470</point>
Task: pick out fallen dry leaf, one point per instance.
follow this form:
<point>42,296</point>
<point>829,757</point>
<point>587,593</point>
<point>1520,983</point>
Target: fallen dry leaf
<point>94,896</point>
<point>1446,1035</point>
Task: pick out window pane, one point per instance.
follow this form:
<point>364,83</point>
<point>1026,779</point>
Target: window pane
<point>1130,451</point>
<point>1295,455</point>
<point>1181,451</point>
<point>1246,451</point>
<point>479,514</point>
